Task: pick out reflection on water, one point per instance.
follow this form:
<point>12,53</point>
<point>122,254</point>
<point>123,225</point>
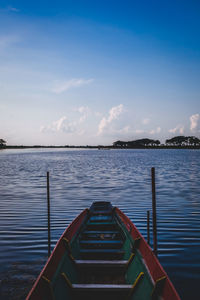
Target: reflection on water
<point>79,177</point>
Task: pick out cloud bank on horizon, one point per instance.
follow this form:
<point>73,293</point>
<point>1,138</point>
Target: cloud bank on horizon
<point>74,73</point>
<point>109,126</point>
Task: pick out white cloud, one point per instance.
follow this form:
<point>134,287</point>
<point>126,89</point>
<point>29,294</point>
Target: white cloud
<point>66,126</point>
<point>145,121</point>
<point>84,111</point>
<point>114,113</point>
<point>61,125</point>
<point>55,126</point>
<point>61,87</point>
<point>178,128</point>
<point>181,130</point>
<point>194,119</point>
<point>102,125</point>
<point>154,131</point>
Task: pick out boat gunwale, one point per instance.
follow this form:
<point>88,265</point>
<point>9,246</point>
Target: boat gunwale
<point>149,258</point>
<point>50,267</point>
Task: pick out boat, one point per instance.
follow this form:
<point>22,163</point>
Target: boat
<point>102,255</point>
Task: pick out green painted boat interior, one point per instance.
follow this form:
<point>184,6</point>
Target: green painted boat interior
<point>101,262</point>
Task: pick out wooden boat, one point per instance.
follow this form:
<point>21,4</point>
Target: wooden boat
<point>102,255</point>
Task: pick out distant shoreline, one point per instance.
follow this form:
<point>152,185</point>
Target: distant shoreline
<point>99,147</point>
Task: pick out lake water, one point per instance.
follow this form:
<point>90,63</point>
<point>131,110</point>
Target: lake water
<point>79,177</point>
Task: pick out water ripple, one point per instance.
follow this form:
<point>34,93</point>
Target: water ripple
<point>79,177</point>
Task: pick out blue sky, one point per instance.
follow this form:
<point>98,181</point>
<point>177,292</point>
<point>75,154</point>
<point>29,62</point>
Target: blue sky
<point>93,72</point>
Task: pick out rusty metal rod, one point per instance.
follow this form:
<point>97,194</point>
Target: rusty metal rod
<point>48,212</point>
<point>154,210</point>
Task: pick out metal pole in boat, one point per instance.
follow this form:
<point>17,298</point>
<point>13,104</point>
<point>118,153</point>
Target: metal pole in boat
<point>154,211</point>
<point>148,233</point>
<point>48,210</point>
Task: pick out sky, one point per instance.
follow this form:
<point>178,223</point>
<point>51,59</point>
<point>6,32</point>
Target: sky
<point>90,72</point>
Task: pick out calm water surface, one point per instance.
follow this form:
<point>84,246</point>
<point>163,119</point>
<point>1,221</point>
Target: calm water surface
<point>77,178</point>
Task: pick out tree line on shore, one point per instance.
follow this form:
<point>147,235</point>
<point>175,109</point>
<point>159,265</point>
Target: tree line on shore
<point>177,141</point>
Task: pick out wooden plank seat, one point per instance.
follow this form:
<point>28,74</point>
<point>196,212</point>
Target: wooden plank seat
<point>102,235</point>
<point>116,291</point>
<point>101,232</point>
<point>96,244</point>
<point>104,263</point>
<point>103,266</point>
<point>101,226</point>
<point>101,212</point>
<point>105,254</point>
<point>102,291</point>
<point>102,287</point>
<point>101,223</point>
<point>100,218</point>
